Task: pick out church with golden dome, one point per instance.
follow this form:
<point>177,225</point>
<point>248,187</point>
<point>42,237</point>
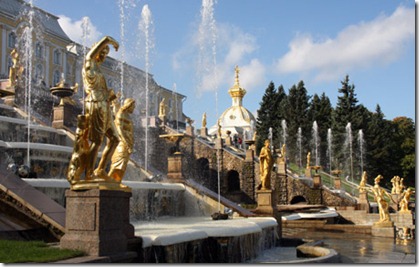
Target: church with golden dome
<point>236,119</point>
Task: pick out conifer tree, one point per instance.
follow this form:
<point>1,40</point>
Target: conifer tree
<point>344,113</point>
<point>296,109</point>
<point>321,112</point>
<point>266,115</point>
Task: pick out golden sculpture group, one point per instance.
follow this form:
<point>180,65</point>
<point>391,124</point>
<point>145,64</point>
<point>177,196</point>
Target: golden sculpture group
<point>380,194</point>
<point>265,163</point>
<point>100,121</point>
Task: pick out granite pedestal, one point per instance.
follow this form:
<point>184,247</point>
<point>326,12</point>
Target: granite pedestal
<point>97,221</point>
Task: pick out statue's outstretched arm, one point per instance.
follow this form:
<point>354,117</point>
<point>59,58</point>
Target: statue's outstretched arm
<point>99,46</point>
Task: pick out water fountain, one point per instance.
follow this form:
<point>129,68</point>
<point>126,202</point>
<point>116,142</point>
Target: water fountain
<point>28,53</point>
<point>329,147</point>
<point>284,132</point>
<point>207,27</point>
<point>299,146</point>
<point>361,149</point>
<point>270,137</point>
<point>146,27</point>
<point>85,25</point>
<point>316,143</point>
<point>348,147</point>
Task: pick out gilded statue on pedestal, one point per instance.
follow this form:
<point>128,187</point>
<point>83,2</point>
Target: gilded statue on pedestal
<point>204,120</point>
<point>308,160</point>
<point>219,128</point>
<point>15,70</point>
<point>98,109</point>
<point>404,203</point>
<point>125,147</point>
<point>284,152</point>
<point>379,194</point>
<point>363,183</point>
<point>265,165</point>
<point>397,185</point>
<point>78,161</point>
<point>162,108</point>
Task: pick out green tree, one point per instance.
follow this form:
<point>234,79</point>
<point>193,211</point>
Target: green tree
<point>346,111</point>
<point>378,138</point>
<point>296,107</point>
<point>321,111</point>
<point>405,142</point>
<point>267,116</point>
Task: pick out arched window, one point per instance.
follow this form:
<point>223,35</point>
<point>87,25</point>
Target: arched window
<point>233,178</point>
<point>57,57</point>
<point>56,78</point>
<point>12,40</point>
<point>39,50</point>
<point>39,72</point>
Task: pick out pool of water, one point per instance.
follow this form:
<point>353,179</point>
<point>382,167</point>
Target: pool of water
<point>360,248</point>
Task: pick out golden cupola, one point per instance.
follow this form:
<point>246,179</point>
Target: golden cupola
<point>236,92</point>
<point>236,119</point>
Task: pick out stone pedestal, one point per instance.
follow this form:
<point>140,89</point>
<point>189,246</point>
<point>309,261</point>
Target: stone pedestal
<point>337,183</point>
<point>174,168</point>
<point>396,200</point>
<point>308,172</point>
<point>249,155</point>
<point>265,202</point>
<point>58,117</point>
<point>228,140</point>
<point>162,120</point>
<point>63,116</point>
<point>97,222</point>
<point>189,130</point>
<point>219,143</point>
<point>281,167</point>
<point>383,229</point>
<point>363,203</point>
<point>317,181</point>
<point>204,132</point>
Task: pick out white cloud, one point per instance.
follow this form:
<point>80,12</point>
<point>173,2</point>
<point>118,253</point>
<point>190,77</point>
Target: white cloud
<point>367,44</point>
<point>233,47</point>
<point>252,75</point>
<point>74,30</point>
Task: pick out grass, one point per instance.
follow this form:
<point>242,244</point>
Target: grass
<point>12,251</point>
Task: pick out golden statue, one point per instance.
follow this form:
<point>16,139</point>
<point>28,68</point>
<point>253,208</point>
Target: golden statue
<point>379,194</point>
<point>397,185</point>
<point>283,151</point>
<point>401,186</point>
<point>15,70</point>
<point>265,165</point>
<point>219,128</point>
<point>78,161</point>
<point>363,183</point>
<point>125,147</point>
<point>162,108</point>
<point>308,160</point>
<point>98,108</point>
<point>404,203</point>
<point>204,120</point>
<point>116,105</point>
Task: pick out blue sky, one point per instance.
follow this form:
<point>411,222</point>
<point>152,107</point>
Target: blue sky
<point>284,41</point>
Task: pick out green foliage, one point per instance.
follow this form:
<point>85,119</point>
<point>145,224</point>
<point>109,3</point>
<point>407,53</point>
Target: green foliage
<point>321,112</point>
<point>296,110</point>
<point>388,147</point>
<point>269,115</point>
<point>12,251</point>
